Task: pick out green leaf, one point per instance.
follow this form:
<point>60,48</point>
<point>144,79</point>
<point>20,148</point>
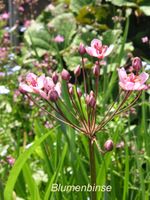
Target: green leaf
<point>38,37</point>
<point>86,15</point>
<point>145,10</point>
<point>14,173</point>
<point>65,25</point>
<point>54,178</point>
<point>32,186</point>
<point>76,5</point>
<point>122,3</point>
<point>72,61</point>
<point>111,36</point>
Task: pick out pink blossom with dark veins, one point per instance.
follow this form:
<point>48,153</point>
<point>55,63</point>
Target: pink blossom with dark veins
<point>98,50</point>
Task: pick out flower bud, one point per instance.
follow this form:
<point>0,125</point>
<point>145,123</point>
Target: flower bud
<point>92,101</point>
<point>120,145</point>
<point>79,92</point>
<point>77,71</point>
<point>65,75</point>
<point>82,49</point>
<point>108,146</point>
<point>55,77</point>
<point>136,63</point>
<point>10,160</point>
<point>53,95</point>
<point>92,93</point>
<point>71,90</point>
<point>70,87</point>
<point>96,70</point>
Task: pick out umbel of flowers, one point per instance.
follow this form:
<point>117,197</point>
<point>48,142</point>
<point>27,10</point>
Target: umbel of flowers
<point>83,113</point>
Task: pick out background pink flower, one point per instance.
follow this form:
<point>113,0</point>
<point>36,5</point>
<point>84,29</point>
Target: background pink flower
<point>131,81</point>
<point>59,39</point>
<point>98,50</point>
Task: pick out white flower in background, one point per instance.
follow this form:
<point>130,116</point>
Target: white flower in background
<point>11,56</point>
<point>146,66</point>
<point>16,68</point>
<point>4,90</point>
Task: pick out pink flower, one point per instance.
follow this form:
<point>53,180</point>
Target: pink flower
<point>50,90</point>
<point>48,84</point>
<point>34,83</point>
<point>5,16</point>
<point>21,8</point>
<point>131,81</point>
<point>44,86</point>
<point>10,160</point>
<point>98,50</point>
<point>59,39</point>
<point>27,23</point>
<point>144,39</point>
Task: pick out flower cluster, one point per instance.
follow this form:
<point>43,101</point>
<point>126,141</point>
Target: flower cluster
<point>82,115</point>
<point>133,81</point>
<point>48,88</point>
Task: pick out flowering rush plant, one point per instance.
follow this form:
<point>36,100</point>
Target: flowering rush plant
<point>82,114</point>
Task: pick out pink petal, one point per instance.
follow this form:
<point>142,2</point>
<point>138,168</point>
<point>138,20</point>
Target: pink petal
<point>143,77</point>
<point>43,94</point>
<point>91,51</point>
<point>30,77</point>
<point>35,90</point>
<point>137,85</point>
<point>122,75</point>
<point>48,83</point>
<point>58,88</point>
<point>25,88</point>
<point>96,42</point>
<point>40,81</point>
<point>109,50</point>
<point>130,86</point>
<point>122,85</point>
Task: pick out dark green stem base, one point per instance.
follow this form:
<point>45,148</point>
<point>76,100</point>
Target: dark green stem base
<point>92,168</point>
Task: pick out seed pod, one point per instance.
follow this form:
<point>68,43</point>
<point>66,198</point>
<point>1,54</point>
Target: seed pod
<point>96,70</point>
<point>108,146</point>
<point>53,95</point>
<point>55,77</point>
<point>77,71</point>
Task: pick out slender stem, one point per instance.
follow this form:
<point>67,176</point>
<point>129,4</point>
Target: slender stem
<point>83,121</point>
<point>57,118</point>
<point>131,104</point>
<point>92,168</point>
<point>101,125</point>
<point>83,70</point>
